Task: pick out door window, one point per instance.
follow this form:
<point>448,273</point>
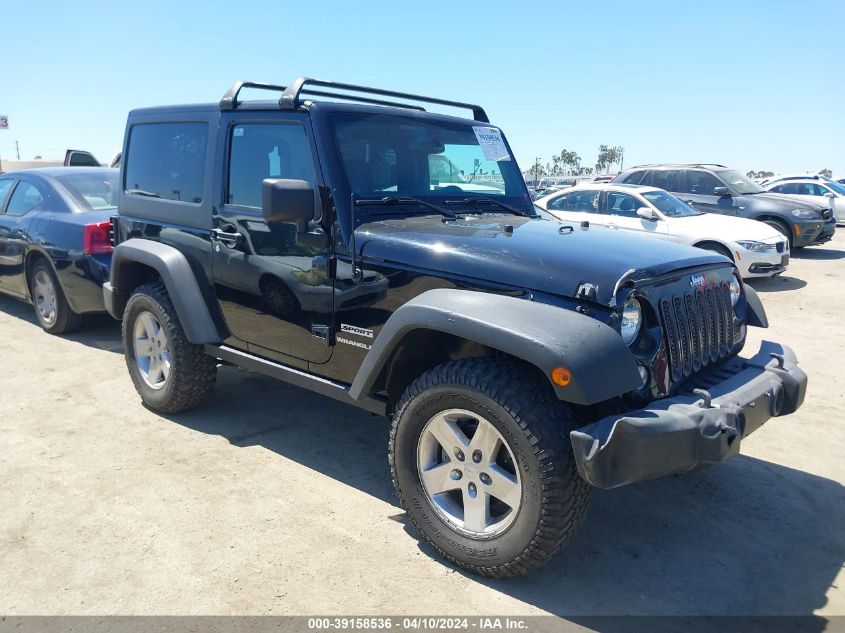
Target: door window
<point>557,204</point>
<point>622,204</point>
<point>582,201</point>
<point>668,179</point>
<point>260,151</point>
<point>82,159</point>
<point>5,187</point>
<point>701,183</point>
<point>24,199</point>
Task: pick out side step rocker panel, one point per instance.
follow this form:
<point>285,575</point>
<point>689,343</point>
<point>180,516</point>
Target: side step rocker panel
<point>296,377</point>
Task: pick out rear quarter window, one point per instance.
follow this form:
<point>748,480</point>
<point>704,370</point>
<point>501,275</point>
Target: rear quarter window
<point>167,161</point>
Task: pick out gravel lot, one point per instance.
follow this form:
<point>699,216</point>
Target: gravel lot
<point>272,500</point>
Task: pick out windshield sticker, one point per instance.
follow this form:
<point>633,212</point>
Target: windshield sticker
<point>491,142</point>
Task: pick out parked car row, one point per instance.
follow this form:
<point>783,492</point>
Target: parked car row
<point>757,249</point>
<point>717,189</point>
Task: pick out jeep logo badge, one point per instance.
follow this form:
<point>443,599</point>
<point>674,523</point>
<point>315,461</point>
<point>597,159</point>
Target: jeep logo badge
<point>696,281</point>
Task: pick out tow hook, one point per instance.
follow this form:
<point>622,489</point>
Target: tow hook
<point>705,396</point>
<point>779,358</point>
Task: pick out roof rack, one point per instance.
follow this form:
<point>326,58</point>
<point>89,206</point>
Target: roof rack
<point>290,99</point>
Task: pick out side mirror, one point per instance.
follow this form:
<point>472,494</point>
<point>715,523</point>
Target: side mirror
<point>646,214</point>
<point>287,201</point>
<point>721,191</point>
<point>829,194</point>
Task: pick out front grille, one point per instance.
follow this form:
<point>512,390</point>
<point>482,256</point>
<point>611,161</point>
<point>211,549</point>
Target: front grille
<point>699,329</point>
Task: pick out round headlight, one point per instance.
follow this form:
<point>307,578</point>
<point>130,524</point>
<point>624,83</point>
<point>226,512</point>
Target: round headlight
<point>736,290</point>
<point>632,318</point>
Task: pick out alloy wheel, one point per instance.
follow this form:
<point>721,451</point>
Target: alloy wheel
<point>469,473</point>
<point>152,350</point>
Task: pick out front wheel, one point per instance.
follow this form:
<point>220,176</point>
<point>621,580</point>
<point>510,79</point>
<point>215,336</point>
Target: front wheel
<point>782,228</point>
<point>482,463</point>
<point>170,373</point>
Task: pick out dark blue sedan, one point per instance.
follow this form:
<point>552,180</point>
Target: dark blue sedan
<point>54,240</point>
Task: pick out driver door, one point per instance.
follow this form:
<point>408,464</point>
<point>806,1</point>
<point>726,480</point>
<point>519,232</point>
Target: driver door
<point>276,294</point>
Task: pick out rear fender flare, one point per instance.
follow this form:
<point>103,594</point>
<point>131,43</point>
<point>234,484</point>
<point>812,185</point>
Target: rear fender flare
<point>175,272</point>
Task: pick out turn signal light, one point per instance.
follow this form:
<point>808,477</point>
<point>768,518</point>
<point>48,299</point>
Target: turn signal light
<point>95,239</point>
<point>561,376</point>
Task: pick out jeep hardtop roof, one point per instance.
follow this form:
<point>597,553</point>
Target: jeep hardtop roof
<point>344,97</point>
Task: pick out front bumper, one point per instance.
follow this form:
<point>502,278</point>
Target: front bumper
<point>813,233</point>
<point>762,264</point>
<point>686,432</point>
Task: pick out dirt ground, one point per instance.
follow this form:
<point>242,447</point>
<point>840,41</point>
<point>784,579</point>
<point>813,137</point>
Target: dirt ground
<point>272,500</point>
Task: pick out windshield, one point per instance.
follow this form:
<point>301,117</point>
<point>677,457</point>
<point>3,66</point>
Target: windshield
<point>388,155</point>
<point>669,205</point>
<point>93,190</point>
<point>835,186</point>
<point>739,182</point>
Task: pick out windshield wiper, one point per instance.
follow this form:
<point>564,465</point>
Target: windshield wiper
<point>482,200</point>
<point>395,200</point>
<point>141,192</point>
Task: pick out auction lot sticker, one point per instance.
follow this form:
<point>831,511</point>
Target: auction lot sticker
<point>491,143</point>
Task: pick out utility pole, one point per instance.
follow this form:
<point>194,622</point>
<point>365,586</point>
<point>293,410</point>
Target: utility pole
<point>18,150</point>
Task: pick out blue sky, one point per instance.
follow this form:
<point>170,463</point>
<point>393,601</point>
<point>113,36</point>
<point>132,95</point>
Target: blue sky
<point>754,85</point>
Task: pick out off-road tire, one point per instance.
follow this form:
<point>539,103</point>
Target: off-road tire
<point>520,403</point>
<point>192,371</point>
<point>66,319</point>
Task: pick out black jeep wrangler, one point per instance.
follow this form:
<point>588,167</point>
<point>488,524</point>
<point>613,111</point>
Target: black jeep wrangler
<point>389,257</point>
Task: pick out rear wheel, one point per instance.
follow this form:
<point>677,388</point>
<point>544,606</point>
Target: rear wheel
<point>482,463</point>
<point>170,373</point>
<point>52,310</point>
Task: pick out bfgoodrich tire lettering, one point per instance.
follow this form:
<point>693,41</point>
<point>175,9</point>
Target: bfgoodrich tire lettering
<point>191,372</point>
<point>533,424</point>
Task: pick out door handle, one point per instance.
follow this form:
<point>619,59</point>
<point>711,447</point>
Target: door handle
<point>689,201</point>
<point>227,237</point>
<point>611,225</point>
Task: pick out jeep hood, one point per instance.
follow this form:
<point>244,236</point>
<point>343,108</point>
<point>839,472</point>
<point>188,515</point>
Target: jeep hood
<point>534,254</point>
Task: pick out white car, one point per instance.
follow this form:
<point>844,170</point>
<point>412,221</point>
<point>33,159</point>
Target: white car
<point>757,249</point>
<point>811,189</point>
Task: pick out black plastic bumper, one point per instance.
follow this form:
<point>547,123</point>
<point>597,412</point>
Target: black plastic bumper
<point>686,432</point>
<point>815,233</point>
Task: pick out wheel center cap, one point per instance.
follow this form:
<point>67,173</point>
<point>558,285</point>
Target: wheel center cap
<point>470,469</point>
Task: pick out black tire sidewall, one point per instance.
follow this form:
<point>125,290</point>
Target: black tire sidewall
<point>782,228</point>
<point>498,550</point>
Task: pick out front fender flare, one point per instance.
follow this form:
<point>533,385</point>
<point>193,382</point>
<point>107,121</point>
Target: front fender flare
<point>756,312</point>
<point>174,270</point>
<point>545,336</point>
